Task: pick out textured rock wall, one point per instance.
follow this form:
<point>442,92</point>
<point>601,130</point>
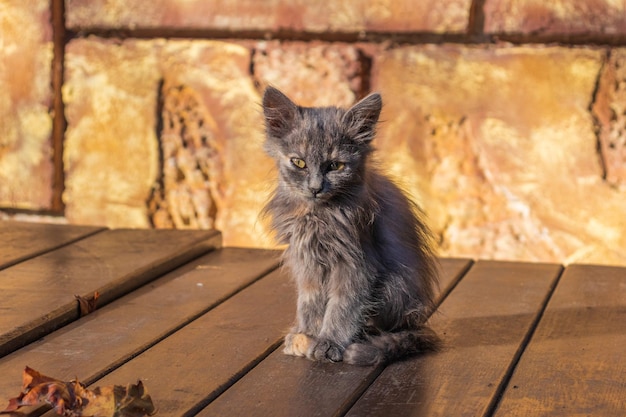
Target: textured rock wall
<point>505,119</point>
<point>25,98</point>
<point>132,159</point>
<point>513,170</point>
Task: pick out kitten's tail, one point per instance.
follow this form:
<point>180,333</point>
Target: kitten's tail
<point>388,347</point>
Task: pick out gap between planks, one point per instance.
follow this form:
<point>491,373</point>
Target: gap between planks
<point>522,348</point>
<point>200,284</point>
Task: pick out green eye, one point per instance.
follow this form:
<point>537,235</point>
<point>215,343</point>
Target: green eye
<point>298,162</point>
<point>336,166</point>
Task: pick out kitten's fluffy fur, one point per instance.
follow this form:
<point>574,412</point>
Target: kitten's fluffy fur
<point>359,253</point>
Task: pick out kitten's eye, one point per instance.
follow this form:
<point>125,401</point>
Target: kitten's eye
<point>336,166</point>
<point>298,162</point>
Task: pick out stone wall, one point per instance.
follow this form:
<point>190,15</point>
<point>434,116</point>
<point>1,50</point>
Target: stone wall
<point>505,119</point>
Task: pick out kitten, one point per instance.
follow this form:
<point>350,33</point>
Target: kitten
<point>359,253</point>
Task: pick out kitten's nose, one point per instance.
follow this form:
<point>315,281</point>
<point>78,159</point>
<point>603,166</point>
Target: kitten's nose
<point>316,184</point>
<point>315,190</point>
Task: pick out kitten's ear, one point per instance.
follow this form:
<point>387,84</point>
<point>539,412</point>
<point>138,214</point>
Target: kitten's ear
<point>280,112</point>
<point>361,119</point>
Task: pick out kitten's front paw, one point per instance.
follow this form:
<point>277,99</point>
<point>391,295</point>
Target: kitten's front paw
<point>297,344</point>
<point>326,350</point>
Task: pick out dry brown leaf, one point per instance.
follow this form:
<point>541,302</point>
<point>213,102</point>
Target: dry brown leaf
<point>73,399</point>
<point>87,305</point>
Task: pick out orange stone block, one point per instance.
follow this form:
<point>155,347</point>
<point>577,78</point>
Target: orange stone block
<point>498,144</point>
<point>570,17</point>
<point>26,169</point>
<point>317,16</point>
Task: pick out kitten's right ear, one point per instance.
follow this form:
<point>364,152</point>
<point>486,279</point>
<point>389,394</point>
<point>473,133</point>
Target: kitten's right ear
<point>280,112</point>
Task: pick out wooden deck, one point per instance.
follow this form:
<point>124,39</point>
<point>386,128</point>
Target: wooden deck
<point>202,327</point>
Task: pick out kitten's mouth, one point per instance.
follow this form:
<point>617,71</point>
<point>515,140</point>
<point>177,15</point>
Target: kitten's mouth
<point>318,197</point>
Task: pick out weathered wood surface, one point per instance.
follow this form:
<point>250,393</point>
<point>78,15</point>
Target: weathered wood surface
<point>204,333</point>
<point>484,323</point>
<point>207,356</point>
<point>575,364</point>
<point>38,296</point>
<point>20,241</point>
<point>98,343</point>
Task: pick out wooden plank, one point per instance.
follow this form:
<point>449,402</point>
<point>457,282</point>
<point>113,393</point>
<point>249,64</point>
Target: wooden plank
<point>283,385</point>
<point>197,363</point>
<point>484,322</point>
<point>22,240</point>
<point>37,296</point>
<point>94,345</point>
<point>451,271</point>
<point>575,364</point>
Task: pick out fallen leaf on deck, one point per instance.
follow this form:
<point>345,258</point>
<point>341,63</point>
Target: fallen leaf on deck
<point>87,305</point>
<point>73,399</point>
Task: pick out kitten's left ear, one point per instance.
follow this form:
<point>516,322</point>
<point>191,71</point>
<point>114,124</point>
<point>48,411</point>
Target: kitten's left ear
<point>361,119</point>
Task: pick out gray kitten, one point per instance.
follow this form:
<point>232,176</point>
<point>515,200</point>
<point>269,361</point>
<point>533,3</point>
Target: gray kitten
<point>358,251</point>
